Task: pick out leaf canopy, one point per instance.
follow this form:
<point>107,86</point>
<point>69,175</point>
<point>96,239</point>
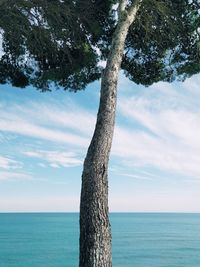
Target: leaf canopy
<point>164,42</point>
<point>47,41</point>
<point>63,41</point>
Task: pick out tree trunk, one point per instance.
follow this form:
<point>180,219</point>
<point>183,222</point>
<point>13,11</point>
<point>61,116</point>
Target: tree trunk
<point>95,231</point>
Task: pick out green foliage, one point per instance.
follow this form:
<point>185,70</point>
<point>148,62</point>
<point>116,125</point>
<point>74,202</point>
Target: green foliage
<point>55,42</point>
<point>163,43</point>
<point>47,41</point>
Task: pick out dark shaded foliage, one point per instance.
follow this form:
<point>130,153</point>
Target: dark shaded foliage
<point>163,43</point>
<point>58,42</point>
<point>47,41</point>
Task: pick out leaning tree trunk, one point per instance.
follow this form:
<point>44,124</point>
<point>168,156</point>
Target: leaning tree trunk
<point>95,231</point>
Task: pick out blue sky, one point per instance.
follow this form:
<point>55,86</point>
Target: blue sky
<point>155,159</point>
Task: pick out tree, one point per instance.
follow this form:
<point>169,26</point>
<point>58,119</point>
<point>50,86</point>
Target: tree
<point>53,42</point>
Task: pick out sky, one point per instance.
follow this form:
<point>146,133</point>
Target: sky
<point>155,159</point>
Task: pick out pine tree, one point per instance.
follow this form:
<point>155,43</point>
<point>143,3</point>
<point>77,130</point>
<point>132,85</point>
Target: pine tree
<point>58,43</point>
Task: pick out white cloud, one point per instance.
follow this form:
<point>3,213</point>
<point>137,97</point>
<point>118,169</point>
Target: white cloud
<point>6,175</point>
<point>60,122</point>
<point>55,159</point>
<point>136,176</point>
<point>7,163</point>
<point>156,146</point>
<point>65,115</point>
<point>161,128</point>
<point>163,132</point>
<point>42,165</point>
<point>192,84</point>
<point>9,122</point>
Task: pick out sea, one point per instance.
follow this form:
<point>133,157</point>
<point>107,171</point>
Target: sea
<point>139,239</point>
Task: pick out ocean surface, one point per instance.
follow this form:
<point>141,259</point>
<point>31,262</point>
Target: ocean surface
<point>139,240</point>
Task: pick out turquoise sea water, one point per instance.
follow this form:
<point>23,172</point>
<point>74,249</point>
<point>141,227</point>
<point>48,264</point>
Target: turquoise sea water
<point>139,240</point>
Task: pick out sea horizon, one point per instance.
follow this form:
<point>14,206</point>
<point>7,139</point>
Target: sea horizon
<point>111,212</point>
<point>139,239</point>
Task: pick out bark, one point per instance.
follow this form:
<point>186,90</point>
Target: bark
<point>95,230</point>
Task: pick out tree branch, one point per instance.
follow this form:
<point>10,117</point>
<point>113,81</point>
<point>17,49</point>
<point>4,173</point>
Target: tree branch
<point>132,10</point>
<point>121,7</point>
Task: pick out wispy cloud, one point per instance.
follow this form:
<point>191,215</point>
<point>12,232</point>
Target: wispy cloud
<point>192,85</point>
<point>161,128</point>
<point>163,132</point>
<point>55,159</point>
<point>7,175</point>
<point>22,124</point>
<point>60,122</point>
<point>135,176</point>
<point>11,169</point>
<point>156,148</point>
<point>68,117</point>
<point>7,163</point>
